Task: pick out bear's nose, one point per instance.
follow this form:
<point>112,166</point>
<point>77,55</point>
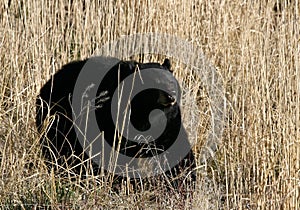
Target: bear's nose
<point>166,99</point>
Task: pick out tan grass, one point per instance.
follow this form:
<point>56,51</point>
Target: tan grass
<point>255,50</point>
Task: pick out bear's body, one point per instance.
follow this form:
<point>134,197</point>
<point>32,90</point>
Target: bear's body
<point>63,147</point>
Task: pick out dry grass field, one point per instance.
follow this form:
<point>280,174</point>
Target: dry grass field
<point>256,51</point>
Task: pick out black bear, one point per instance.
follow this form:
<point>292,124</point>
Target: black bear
<point>148,87</point>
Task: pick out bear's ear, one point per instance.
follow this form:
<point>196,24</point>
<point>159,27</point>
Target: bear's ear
<point>167,65</point>
<point>132,66</point>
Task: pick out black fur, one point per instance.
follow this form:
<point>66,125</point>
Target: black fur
<point>55,100</point>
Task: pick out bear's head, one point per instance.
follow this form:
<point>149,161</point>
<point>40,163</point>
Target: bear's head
<point>154,96</point>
